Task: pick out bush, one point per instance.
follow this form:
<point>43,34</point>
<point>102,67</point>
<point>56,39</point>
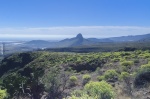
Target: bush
<point>124,75</point>
<point>143,76</point>
<point>127,57</point>
<point>111,74</point>
<point>101,90</point>
<point>100,78</point>
<point>94,90</point>
<point>73,80</point>
<point>147,55</point>
<point>116,59</point>
<point>146,66</point>
<point>127,63</point>
<point>78,93</point>
<point>86,78</point>
<point>3,94</point>
<point>124,68</point>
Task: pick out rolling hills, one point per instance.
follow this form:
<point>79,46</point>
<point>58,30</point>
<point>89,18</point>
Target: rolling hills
<point>79,40</point>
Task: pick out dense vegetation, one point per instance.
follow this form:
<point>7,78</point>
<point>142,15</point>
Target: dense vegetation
<point>58,75</point>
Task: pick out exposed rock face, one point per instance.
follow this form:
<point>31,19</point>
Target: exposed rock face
<point>79,36</point>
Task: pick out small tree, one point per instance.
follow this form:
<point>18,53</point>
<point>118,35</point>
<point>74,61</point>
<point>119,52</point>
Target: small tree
<point>55,82</point>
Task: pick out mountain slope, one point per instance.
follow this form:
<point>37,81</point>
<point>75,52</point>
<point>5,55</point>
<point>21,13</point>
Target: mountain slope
<point>100,40</point>
<point>76,41</point>
<point>145,39</point>
<point>129,38</point>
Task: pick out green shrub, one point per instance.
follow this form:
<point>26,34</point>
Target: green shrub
<point>78,93</point>
<point>125,69</point>
<point>125,53</point>
<point>110,74</point>
<point>100,78</point>
<point>101,90</point>
<point>116,59</point>
<point>146,55</point>
<point>127,57</point>
<point>138,52</point>
<point>86,78</point>
<point>73,80</point>
<point>3,94</point>
<point>145,66</point>
<point>127,63</point>
<point>124,75</point>
<point>122,59</point>
<point>94,90</point>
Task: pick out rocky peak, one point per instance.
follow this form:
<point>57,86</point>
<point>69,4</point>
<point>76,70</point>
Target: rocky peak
<point>79,36</point>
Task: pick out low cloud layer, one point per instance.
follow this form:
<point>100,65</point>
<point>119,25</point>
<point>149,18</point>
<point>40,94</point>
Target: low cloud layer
<point>56,33</point>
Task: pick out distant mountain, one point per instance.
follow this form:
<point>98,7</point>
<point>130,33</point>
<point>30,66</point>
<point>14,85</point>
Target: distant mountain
<point>79,40</point>
<point>76,41</point>
<point>130,38</point>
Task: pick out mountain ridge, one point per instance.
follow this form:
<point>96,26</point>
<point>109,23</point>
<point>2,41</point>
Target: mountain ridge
<point>79,40</point>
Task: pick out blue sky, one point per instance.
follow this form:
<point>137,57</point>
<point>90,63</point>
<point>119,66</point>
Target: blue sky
<point>58,19</point>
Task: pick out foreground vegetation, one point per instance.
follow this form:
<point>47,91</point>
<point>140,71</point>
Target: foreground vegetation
<point>57,75</point>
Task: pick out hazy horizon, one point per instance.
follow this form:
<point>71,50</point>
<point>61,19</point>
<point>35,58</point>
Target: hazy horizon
<point>53,40</point>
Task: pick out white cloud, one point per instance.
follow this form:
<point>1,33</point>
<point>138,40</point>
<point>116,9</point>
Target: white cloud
<point>68,31</point>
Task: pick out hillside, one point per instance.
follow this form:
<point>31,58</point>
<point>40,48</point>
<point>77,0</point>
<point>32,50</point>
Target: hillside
<point>105,44</point>
<point>147,39</point>
<point>56,75</point>
<point>130,38</point>
<point>39,44</point>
